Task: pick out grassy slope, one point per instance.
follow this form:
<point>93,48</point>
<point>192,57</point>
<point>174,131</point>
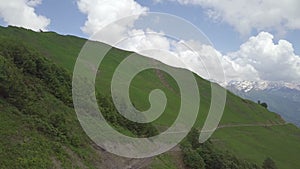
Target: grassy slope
<point>23,146</point>
<point>253,143</point>
<point>256,143</point>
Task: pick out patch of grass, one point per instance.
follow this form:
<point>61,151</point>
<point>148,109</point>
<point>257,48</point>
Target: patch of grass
<point>281,143</point>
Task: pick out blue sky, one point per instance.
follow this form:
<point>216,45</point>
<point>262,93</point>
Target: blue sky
<point>67,19</point>
<point>216,20</point>
<point>65,16</point>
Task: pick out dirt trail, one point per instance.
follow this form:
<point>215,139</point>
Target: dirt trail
<point>111,161</point>
<point>177,154</point>
<point>139,164</point>
<point>163,80</point>
<point>251,125</point>
<point>237,125</point>
<point>77,162</point>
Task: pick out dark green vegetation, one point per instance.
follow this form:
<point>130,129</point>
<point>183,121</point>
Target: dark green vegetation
<point>263,104</point>
<point>120,122</point>
<point>269,164</point>
<point>206,155</point>
<point>39,128</point>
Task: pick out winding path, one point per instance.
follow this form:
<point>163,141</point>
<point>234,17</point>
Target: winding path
<point>251,125</point>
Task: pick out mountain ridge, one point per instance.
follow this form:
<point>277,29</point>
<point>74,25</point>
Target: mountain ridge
<point>247,86</point>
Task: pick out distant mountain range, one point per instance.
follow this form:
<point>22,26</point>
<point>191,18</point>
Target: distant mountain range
<point>281,97</point>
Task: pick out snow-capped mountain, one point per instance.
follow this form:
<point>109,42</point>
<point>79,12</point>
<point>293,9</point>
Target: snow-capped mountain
<point>281,97</point>
<point>247,86</point>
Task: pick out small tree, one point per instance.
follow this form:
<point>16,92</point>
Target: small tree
<point>264,105</point>
<point>269,164</point>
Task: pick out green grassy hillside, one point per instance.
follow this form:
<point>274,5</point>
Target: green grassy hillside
<point>39,128</point>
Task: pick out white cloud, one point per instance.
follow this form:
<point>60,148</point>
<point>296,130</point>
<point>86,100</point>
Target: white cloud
<point>273,62</point>
<point>192,55</point>
<point>245,15</point>
<point>140,40</point>
<point>201,59</point>
<point>100,13</point>
<point>22,13</point>
<point>144,41</point>
<point>209,63</point>
<point>259,58</point>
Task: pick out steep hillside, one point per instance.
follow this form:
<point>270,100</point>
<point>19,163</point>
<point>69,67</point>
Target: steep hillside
<point>39,127</point>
